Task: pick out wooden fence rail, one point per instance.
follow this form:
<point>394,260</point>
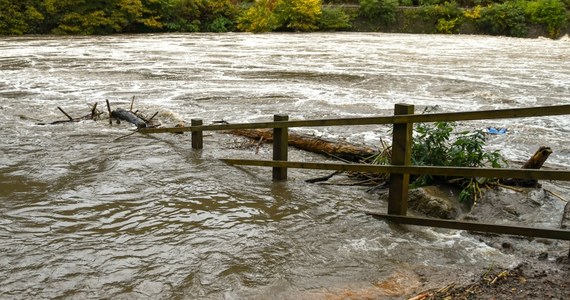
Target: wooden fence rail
<point>400,168</point>
<point>415,170</point>
<point>396,119</point>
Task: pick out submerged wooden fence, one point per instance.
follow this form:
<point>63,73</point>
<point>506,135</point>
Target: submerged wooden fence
<point>400,168</point>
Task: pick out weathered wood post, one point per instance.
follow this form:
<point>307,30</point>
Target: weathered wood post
<point>197,135</point>
<point>280,144</point>
<point>401,155</point>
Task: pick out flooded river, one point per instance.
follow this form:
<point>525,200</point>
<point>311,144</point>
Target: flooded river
<point>87,214</point>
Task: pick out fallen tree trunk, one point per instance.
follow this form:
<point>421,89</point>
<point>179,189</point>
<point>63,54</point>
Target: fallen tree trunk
<point>128,116</point>
<point>534,162</point>
<point>340,150</point>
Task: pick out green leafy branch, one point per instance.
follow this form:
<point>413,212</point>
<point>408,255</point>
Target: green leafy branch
<point>438,144</point>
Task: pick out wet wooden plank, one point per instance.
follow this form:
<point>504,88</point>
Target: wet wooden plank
<point>558,234</point>
<point>417,170</point>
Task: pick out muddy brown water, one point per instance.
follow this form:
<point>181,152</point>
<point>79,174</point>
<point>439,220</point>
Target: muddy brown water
<point>86,215</point>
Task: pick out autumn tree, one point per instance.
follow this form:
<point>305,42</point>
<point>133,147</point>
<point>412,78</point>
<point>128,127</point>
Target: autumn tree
<point>259,17</point>
<point>300,15</point>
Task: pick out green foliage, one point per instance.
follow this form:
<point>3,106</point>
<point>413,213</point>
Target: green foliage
<point>259,17</point>
<point>183,15</point>
<point>447,26</point>
<point>113,16</point>
<point>448,10</point>
<point>487,2</point>
<point>299,15</point>
<point>95,22</point>
<point>438,145</point>
<point>380,10</point>
<point>218,15</point>
<point>199,15</point>
<point>151,19</point>
<point>102,17</point>
<point>19,18</point>
<point>334,18</point>
<point>503,19</point>
<point>434,146</point>
<point>446,16</point>
<point>431,2</point>
<point>269,15</point>
<point>473,13</point>
<point>551,13</point>
<point>219,24</point>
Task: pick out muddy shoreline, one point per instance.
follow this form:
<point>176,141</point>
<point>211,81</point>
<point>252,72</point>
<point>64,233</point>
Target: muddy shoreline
<point>539,277</point>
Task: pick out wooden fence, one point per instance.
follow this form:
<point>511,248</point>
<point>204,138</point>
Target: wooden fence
<point>400,168</point>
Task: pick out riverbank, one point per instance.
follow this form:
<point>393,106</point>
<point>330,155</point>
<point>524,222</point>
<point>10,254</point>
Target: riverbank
<point>416,20</point>
<point>542,266</point>
<point>536,278</point>
<point>534,268</point>
<point>529,18</point>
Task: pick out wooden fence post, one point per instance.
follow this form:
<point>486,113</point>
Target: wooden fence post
<point>197,136</point>
<point>280,144</point>
<point>401,155</point>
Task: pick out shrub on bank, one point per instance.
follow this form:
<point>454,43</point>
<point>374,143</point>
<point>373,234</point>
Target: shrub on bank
<point>383,11</point>
<point>288,15</point>
<point>503,19</point>
<point>447,16</point>
<point>259,17</point>
<point>299,15</point>
<point>551,13</point>
<point>334,19</point>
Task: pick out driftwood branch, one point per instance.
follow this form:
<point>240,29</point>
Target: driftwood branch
<point>150,120</point>
<point>323,178</point>
<point>63,111</point>
<point>94,111</point>
<point>93,115</point>
<point>534,162</point>
<point>132,103</point>
<point>110,114</point>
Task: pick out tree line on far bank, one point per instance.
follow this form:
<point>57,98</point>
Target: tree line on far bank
<point>98,17</point>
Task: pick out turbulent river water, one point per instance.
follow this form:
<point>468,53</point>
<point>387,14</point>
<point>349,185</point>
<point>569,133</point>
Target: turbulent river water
<point>86,215</point>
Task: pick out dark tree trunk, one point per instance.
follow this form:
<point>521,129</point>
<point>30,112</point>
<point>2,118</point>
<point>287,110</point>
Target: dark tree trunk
<point>313,144</point>
<point>128,116</point>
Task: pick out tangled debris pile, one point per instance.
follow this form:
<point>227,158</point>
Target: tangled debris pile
<point>136,117</point>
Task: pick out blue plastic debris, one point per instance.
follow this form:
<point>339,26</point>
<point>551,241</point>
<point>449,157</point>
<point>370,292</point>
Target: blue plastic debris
<point>494,130</point>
